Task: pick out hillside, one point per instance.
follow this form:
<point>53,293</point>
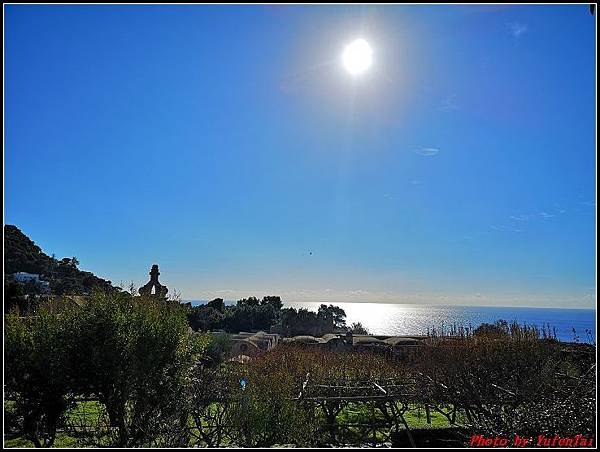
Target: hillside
<point>21,254</point>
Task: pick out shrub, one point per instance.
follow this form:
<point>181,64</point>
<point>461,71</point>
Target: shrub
<point>210,398</point>
<point>510,383</point>
<point>217,349</point>
<point>497,329</point>
<point>264,413</point>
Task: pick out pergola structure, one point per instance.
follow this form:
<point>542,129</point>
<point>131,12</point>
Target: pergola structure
<point>386,401</point>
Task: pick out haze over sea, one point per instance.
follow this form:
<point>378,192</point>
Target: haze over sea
<point>407,319</point>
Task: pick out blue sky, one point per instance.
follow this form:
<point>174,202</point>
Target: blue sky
<point>229,145</point>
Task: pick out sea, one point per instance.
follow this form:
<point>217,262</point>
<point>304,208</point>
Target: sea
<point>411,319</point>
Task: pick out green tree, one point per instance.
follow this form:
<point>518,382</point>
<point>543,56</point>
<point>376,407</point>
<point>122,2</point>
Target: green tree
<point>37,374</point>
<point>14,295</point>
<point>217,304</point>
<point>205,318</point>
<point>251,301</point>
<point>301,321</point>
<point>358,328</point>
<point>273,301</point>
<point>135,354</point>
<point>333,317</point>
<point>250,317</point>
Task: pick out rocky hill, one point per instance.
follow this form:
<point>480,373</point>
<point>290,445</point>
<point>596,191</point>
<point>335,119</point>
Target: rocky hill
<point>21,254</point>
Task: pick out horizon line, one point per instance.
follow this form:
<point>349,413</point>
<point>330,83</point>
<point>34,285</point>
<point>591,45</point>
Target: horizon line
<point>408,304</point>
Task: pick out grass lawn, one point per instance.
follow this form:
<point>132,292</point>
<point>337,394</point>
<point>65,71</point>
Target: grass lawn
<point>86,413</point>
<point>415,418</point>
<point>62,440</point>
<point>92,413</point>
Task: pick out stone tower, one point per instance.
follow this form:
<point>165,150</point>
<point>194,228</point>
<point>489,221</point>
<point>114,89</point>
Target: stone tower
<point>159,289</point>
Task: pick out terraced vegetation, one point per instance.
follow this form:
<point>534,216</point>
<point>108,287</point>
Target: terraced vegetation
<point>127,371</point>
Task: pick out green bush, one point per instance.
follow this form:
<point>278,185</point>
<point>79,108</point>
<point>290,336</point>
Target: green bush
<point>264,413</point>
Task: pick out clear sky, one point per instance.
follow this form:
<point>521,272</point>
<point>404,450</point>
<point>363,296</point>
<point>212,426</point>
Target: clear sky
<point>228,145</point>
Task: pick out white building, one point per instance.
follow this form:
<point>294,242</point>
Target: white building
<point>25,277</point>
<point>28,277</point>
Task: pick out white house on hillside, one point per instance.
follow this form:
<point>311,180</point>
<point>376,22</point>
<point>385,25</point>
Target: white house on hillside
<point>31,277</point>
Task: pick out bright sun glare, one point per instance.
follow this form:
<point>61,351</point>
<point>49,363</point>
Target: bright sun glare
<point>357,57</point>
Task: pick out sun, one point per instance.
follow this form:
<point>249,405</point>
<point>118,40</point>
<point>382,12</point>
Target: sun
<point>357,56</point>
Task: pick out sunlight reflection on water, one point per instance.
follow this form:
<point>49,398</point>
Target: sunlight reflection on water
<point>406,319</point>
<point>411,319</point>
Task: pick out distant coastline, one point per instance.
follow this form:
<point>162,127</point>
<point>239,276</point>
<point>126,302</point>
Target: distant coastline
<point>196,302</point>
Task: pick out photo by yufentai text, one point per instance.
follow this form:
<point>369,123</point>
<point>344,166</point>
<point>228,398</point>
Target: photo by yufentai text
<point>539,441</point>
